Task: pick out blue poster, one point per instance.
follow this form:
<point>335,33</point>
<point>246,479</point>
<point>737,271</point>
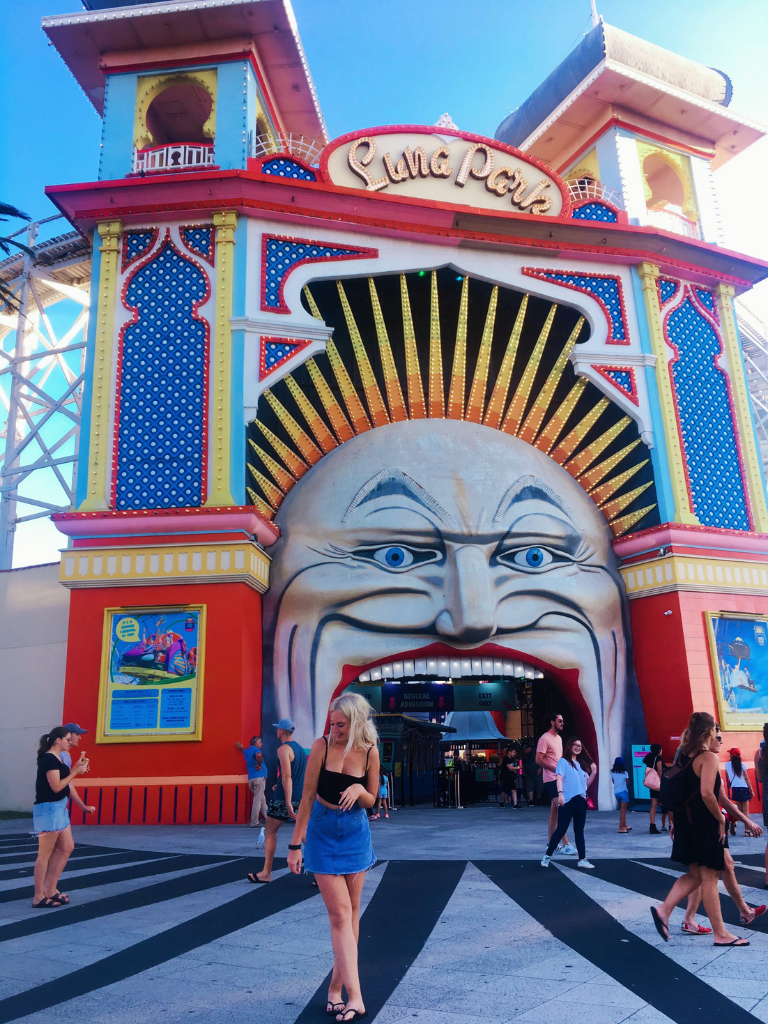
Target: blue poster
<point>741,661</point>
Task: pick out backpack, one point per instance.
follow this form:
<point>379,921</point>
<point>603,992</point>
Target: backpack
<point>674,791</point>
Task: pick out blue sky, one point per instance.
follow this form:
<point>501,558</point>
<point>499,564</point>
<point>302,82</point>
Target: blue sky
<point>388,63</point>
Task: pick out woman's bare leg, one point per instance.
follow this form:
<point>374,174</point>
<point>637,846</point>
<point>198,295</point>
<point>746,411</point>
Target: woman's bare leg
<point>743,806</point>
<point>654,805</point>
<point>694,899</point>
<point>65,844</point>
<point>682,888</point>
<point>45,844</point>
<point>341,895</point>
<point>711,897</point>
<point>622,815</point>
<point>734,890</point>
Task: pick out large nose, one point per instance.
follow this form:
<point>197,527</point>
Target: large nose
<point>469,614</point>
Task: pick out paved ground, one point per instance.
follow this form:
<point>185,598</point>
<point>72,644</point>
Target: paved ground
<point>461,926</point>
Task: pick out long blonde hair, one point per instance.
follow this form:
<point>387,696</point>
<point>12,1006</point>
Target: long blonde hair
<point>362,731</point>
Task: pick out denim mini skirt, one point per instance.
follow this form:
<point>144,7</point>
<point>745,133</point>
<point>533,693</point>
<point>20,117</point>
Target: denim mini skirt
<point>338,842</point>
<point>50,817</point>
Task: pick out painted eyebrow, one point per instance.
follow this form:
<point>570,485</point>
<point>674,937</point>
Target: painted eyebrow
<point>395,482</point>
<point>532,488</point>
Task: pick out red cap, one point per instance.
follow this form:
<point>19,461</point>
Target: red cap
<point>736,751</point>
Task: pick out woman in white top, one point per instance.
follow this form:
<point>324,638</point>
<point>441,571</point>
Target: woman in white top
<point>738,785</point>
<point>572,784</point>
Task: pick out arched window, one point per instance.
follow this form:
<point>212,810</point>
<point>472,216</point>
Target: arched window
<point>179,114</point>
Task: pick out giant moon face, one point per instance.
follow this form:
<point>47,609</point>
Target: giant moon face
<point>437,531</point>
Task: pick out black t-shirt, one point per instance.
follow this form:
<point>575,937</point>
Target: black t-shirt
<point>43,792</point>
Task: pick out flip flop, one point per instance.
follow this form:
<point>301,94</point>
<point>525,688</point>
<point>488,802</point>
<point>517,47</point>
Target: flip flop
<point>46,903</point>
<point>332,1009</point>
<point>759,911</point>
<point>252,877</point>
<point>61,898</point>
<point>697,929</point>
<point>357,1015</point>
<point>661,928</point>
<point>622,831</point>
<point>736,942</point>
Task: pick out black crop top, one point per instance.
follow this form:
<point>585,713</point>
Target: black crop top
<point>330,785</point>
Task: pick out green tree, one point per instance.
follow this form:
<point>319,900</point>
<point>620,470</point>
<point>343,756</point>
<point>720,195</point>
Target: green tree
<point>9,247</point>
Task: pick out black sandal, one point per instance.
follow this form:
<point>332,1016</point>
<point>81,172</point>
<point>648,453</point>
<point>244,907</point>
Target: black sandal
<point>61,898</point>
<point>358,1015</point>
<point>253,877</point>
<point>46,903</point>
<point>332,1009</point>
<point>661,928</point>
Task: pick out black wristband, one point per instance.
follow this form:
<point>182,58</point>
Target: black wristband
<point>292,847</point>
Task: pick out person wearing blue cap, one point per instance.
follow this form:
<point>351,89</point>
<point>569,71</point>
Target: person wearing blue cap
<point>286,795</point>
<point>620,780</point>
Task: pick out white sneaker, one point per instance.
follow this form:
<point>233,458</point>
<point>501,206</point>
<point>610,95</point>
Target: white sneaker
<point>260,840</point>
<point>545,860</point>
<point>584,864</point>
<point>569,849</point>
<point>559,849</point>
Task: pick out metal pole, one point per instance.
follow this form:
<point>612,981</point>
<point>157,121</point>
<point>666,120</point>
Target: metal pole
<point>595,19</point>
<point>458,792</point>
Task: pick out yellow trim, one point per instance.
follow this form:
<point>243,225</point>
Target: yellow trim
<point>725,293</point>
<point>100,453</point>
<point>680,165</point>
<point>694,573</point>
<point>219,492</point>
<point>214,562</point>
<point>157,737</point>
<point>587,166</point>
<point>150,86</point>
<point>730,721</point>
<point>683,512</point>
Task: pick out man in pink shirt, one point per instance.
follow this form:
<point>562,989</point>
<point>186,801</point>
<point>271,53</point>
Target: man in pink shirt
<point>549,750</point>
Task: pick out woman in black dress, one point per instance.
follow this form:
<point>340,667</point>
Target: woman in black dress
<point>700,835</point>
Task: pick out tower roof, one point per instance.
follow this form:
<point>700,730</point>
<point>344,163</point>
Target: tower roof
<point>613,69</point>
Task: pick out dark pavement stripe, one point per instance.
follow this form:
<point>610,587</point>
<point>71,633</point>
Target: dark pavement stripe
<point>390,941</point>
<point>147,895</point>
<point>575,919</point>
<point>84,863</point>
<point>258,903</point>
<point>126,874</point>
<point>30,853</point>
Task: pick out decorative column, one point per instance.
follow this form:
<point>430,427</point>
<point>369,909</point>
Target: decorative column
<point>752,470</point>
<point>99,455</point>
<point>683,513</point>
<point>219,491</point>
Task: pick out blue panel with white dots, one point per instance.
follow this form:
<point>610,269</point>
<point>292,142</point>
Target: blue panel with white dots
<point>622,378</point>
<point>608,292</point>
<point>282,167</point>
<point>199,240</point>
<point>275,352</point>
<point>281,255</point>
<point>703,402</point>
<point>595,211</point>
<point>707,299</point>
<point>667,289</point>
<point>162,387</point>
<point>135,244</point>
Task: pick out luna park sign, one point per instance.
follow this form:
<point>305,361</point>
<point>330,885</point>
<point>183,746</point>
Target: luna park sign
<point>438,165</point>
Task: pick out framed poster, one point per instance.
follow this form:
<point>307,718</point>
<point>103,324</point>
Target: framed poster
<point>738,648</point>
<point>151,674</point>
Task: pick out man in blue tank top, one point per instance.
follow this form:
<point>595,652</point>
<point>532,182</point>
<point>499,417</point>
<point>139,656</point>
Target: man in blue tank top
<point>286,796</point>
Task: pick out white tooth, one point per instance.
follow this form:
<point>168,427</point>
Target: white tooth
<point>398,670</point>
<point>375,674</point>
<point>498,669</point>
<point>443,668</point>
<point>455,668</point>
<point>408,669</point>
<point>488,666</point>
<point>477,667</point>
<point>529,673</point>
<point>538,674</point>
<point>466,667</point>
<point>420,667</point>
<point>509,667</point>
<point>431,669</point>
<point>365,677</point>
<point>386,672</point>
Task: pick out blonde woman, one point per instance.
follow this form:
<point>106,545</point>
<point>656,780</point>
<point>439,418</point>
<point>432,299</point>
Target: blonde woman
<point>340,784</point>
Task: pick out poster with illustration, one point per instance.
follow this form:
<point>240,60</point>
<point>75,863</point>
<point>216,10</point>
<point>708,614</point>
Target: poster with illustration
<point>739,653</point>
<point>151,674</point>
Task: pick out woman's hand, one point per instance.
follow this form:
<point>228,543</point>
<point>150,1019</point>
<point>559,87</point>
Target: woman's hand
<point>81,765</point>
<point>721,829</point>
<point>752,828</point>
<point>90,809</point>
<point>560,800</point>
<point>351,795</point>
<point>294,861</point>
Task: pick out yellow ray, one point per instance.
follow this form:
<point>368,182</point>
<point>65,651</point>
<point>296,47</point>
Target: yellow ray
<point>593,476</point>
<point>585,458</point>
<point>397,410</point>
<point>522,392</point>
<point>311,303</point>
<point>573,439</point>
<point>459,369</point>
<point>476,401</point>
<point>357,413</point>
<point>282,477</point>
<point>339,422</point>
<point>604,491</point>
<point>535,417</point>
<point>303,442</point>
<point>556,425</point>
<point>370,387</point>
<point>501,387</point>
<point>435,379</point>
<point>266,510</point>
<point>295,465</point>
<point>611,509</point>
<point>315,421</point>
<point>417,409</point>
<point>273,494</point>
<point>620,526</point>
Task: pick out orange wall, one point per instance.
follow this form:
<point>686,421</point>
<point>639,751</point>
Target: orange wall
<point>232,680</point>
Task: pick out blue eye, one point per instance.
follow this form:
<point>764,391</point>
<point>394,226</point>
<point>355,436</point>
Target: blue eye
<point>394,557</point>
<point>532,558</point>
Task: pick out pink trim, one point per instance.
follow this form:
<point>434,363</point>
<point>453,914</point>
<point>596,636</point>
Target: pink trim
<point>621,216</point>
<point>299,343</point>
<point>682,535</point>
<point>359,253</point>
<point>543,275</point>
<point>255,164</point>
<point>167,520</point>
<point>604,372</point>
<point>422,129</point>
<point>167,241</point>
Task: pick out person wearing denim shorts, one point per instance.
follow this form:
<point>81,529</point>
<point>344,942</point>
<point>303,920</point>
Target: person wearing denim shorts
<point>341,782</point>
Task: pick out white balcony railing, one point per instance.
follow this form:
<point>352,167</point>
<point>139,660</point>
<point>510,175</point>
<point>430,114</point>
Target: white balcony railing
<point>300,146</point>
<point>668,220</point>
<point>173,156</point>
<point>587,188</point>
